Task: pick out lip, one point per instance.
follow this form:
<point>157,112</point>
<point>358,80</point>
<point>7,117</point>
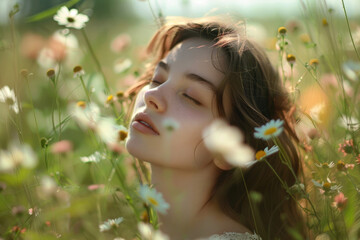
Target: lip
<point>143,117</point>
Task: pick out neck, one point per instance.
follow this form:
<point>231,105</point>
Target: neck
<point>188,192</point>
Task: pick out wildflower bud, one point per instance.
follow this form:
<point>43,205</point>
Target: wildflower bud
<point>132,95</point>
<point>314,62</point>
<point>44,142</point>
<point>120,95</point>
<point>81,104</point>
<point>110,99</point>
<point>324,22</point>
<point>78,71</point>
<point>313,134</point>
<point>51,74</point>
<point>144,217</point>
<point>282,31</point>
<point>291,59</point>
<point>24,73</point>
<point>340,165</point>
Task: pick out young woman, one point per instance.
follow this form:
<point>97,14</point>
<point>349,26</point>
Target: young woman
<point>202,70</point>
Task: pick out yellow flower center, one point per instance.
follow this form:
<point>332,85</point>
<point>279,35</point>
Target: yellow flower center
<point>270,131</point>
<point>122,135</point>
<point>326,186</point>
<point>81,104</point>
<point>282,30</point>
<point>260,154</point>
<point>153,201</point>
<point>340,165</point>
<point>109,98</point>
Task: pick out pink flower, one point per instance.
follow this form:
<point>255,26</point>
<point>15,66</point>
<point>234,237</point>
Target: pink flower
<point>340,201</point>
<point>358,159</point>
<point>346,147</point>
<point>95,186</point>
<point>120,42</point>
<point>62,147</point>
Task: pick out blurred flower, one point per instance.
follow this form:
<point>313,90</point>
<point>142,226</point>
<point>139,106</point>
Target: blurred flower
<point>70,18</point>
<point>110,223</point>
<point>324,22</point>
<point>107,130</point>
<point>78,71</point>
<point>358,159</point>
<point>226,142</point>
<point>282,31</point>
<point>291,59</point>
<point>122,65</point>
<point>7,96</point>
<point>325,165</point>
<point>271,129</point>
<point>95,187</point>
<point>110,99</point>
<point>31,44</point>
<point>153,198</point>
<point>94,158</point>
<point>120,42</point>
<point>148,233</point>
<point>18,210</point>
<point>266,152</point>
<point>351,70</point>
<point>170,124</point>
<point>47,188</point>
<point>62,147</point>
<point>17,156</point>
<point>323,236</point>
<point>314,62</point>
<point>346,147</point>
<point>81,104</point>
<point>340,165</point>
<point>17,229</point>
<point>86,117</point>
<point>293,26</point>
<point>349,123</point>
<point>313,133</point>
<point>340,201</point>
<point>297,189</point>
<point>305,38</point>
<point>34,211</point>
<point>316,111</point>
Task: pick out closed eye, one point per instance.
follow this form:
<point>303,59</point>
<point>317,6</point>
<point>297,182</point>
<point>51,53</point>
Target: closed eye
<point>154,83</point>
<point>192,99</point>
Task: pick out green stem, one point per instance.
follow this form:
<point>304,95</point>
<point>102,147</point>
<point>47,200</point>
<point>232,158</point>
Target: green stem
<point>348,25</point>
<point>83,85</point>
<point>33,108</point>
<point>95,59</point>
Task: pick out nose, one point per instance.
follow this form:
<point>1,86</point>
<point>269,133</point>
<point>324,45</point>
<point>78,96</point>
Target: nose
<point>154,100</point>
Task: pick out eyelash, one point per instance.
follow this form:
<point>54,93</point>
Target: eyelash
<point>152,82</point>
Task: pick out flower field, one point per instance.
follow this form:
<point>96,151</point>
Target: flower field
<point>64,170</point>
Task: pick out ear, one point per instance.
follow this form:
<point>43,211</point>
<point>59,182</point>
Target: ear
<point>222,164</point>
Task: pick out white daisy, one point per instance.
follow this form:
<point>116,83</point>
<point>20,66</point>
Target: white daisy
<point>153,198</point>
<point>271,129</point>
<point>266,152</point>
<point>7,96</point>
<point>147,232</point>
<point>325,165</point>
<point>70,18</point>
<point>227,141</point>
<point>94,158</point>
<point>326,187</point>
<point>110,223</point>
<point>122,65</point>
<point>17,156</point>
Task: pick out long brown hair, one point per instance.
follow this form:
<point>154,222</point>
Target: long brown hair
<point>257,96</point>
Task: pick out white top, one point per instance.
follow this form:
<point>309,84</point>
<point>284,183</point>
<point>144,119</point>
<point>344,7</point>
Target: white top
<point>235,236</point>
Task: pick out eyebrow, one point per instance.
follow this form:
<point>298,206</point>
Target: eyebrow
<point>191,76</point>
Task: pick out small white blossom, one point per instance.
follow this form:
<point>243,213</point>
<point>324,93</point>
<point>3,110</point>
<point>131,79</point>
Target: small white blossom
<point>148,233</point>
<point>70,18</point>
<point>94,158</point>
<point>110,223</point>
<point>153,198</point>
<point>170,124</point>
<point>271,129</point>
<point>122,65</point>
<point>7,96</point>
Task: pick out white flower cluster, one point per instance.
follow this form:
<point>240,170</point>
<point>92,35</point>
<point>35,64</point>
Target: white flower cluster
<point>110,223</point>
<point>7,96</point>
<point>17,156</point>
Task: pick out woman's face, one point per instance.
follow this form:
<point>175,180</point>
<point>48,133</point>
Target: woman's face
<point>182,89</point>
